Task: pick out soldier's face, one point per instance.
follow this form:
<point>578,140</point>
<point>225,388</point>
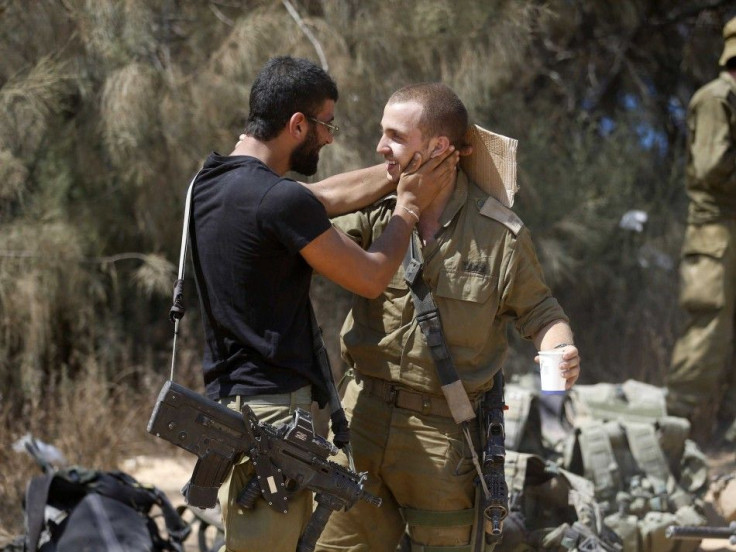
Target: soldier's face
<point>305,157</point>
<point>401,137</point>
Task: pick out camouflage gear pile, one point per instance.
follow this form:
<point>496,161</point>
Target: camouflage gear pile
<point>642,471</point>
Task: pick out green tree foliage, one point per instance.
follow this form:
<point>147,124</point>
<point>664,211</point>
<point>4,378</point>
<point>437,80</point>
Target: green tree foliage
<point>109,106</point>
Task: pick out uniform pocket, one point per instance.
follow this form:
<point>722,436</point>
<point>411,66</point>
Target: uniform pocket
<point>383,315</point>
<point>702,270</point>
<point>458,458</point>
<point>467,305</point>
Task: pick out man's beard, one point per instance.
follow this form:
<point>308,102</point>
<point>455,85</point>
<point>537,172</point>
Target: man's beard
<point>305,158</point>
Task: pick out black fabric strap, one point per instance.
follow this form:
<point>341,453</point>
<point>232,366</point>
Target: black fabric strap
<point>339,421</point>
<point>428,318</point>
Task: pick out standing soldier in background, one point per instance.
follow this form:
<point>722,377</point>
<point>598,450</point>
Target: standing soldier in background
<point>701,384</point>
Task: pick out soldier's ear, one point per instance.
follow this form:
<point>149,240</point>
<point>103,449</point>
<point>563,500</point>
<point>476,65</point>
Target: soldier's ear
<point>298,125</point>
<point>441,143</point>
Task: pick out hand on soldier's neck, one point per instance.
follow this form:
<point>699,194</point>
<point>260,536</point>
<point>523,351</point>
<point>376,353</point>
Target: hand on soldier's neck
<point>427,230</point>
<point>429,220</point>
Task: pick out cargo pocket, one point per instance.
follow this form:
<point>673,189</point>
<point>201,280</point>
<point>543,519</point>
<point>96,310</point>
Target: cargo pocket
<point>458,459</point>
<point>702,270</point>
<point>467,307</point>
<point>384,313</point>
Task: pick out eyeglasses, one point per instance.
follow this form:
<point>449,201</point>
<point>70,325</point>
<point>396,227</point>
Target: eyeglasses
<point>330,127</point>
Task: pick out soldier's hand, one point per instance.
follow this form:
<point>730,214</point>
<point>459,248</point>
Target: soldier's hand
<point>420,182</point>
<point>570,365</point>
<point>464,151</point>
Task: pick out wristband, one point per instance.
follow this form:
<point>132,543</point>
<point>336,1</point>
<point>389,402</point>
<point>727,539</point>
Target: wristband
<point>410,211</point>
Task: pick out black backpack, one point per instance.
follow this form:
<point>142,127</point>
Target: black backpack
<point>82,510</point>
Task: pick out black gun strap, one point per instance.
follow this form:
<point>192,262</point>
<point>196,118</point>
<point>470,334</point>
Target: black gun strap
<point>178,309</point>
<point>337,414</point>
<point>428,318</point>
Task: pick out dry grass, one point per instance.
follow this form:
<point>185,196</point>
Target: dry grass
<point>28,99</point>
<point>13,176</point>
<point>128,114</point>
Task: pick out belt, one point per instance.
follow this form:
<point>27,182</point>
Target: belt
<point>429,405</point>
<point>300,397</point>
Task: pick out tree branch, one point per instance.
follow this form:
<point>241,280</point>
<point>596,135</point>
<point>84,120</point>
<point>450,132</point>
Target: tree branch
<point>317,46</point>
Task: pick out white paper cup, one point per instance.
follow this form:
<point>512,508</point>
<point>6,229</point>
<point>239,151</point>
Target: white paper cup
<point>549,370</point>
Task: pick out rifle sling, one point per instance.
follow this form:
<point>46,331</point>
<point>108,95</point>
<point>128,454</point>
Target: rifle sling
<point>320,353</point>
<point>428,318</point>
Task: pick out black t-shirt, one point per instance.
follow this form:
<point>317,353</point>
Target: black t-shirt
<point>247,227</point>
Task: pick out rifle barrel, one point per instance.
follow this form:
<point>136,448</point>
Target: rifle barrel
<point>697,533</point>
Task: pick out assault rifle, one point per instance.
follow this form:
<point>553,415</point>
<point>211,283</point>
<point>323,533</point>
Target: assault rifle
<point>687,532</point>
<point>286,459</point>
<point>495,504</point>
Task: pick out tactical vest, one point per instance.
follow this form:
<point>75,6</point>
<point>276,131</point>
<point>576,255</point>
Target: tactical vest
<point>644,472</point>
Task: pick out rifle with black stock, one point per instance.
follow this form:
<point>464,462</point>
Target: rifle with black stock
<point>286,459</point>
<point>495,503</point>
<point>695,532</point>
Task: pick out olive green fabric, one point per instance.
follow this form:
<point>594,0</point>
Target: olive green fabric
<point>644,472</point>
<point>701,383</point>
<point>551,509</point>
<point>711,161</point>
<point>701,379</point>
<point>263,528</point>
<point>729,41</point>
<point>413,461</point>
<point>482,275</point>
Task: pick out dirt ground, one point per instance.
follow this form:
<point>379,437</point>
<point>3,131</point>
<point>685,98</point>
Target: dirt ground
<point>170,473</point>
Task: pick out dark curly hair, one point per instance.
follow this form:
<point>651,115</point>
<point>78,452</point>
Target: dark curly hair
<point>284,86</point>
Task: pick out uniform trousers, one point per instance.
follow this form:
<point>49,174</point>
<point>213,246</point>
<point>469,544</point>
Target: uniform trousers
<point>413,461</point>
<point>262,528</point>
<point>701,384</point>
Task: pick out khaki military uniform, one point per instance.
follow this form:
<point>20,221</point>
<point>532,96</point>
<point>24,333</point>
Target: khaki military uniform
<point>484,273</point>
<point>263,528</point>
<point>702,372</point>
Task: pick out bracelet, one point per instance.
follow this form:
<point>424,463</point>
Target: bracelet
<point>561,345</point>
<point>410,211</point>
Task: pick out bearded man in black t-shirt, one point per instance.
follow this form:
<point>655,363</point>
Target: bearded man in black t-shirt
<point>256,239</point>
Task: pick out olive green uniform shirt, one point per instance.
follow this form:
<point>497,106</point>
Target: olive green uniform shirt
<point>483,274</point>
<point>711,164</point>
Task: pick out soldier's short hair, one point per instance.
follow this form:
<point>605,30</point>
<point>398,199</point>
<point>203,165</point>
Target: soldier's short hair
<point>443,113</point>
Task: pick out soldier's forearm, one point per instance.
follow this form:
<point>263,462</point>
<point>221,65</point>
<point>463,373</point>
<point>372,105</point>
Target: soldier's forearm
<point>352,190</point>
<point>552,335</point>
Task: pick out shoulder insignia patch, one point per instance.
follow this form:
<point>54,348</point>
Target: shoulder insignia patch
<point>494,209</point>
